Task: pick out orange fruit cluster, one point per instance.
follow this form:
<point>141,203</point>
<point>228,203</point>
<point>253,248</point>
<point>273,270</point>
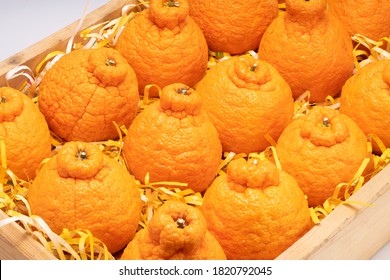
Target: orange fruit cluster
<point>207,127</point>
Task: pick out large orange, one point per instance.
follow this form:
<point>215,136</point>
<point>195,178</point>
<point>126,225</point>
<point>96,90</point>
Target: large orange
<point>164,45</point>
<point>310,48</point>
<point>86,91</point>
<point>177,231</point>
<point>365,98</point>
<point>83,188</point>
<point>25,133</point>
<point>255,211</point>
<point>370,18</point>
<point>233,26</point>
<point>321,150</point>
<point>174,140</point>
<point>246,99</point>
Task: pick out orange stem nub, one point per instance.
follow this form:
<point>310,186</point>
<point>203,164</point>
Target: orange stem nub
<point>316,127</point>
<point>12,104</point>
<point>79,160</point>
<point>181,223</point>
<point>253,173</point>
<point>110,62</point>
<point>325,122</point>
<point>172,3</point>
<point>168,14</point>
<point>247,72</point>
<point>305,12</point>
<point>179,101</point>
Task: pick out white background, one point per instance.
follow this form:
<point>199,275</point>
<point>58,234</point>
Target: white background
<point>25,22</point>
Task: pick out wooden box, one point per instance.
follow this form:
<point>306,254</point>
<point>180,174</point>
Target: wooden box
<point>351,231</point>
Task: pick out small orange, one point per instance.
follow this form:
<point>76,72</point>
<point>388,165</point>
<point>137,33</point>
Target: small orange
<point>177,231</point>
<point>164,45</point>
<point>174,140</point>
<point>81,187</point>
<point>86,91</point>
<point>369,18</point>
<point>365,98</point>
<point>246,99</point>
<point>310,48</point>
<point>255,211</point>
<point>321,150</point>
<point>25,133</point>
<point>233,26</point>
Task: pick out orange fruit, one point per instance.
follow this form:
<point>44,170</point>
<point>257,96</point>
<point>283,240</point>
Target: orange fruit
<point>81,187</point>
<point>233,26</point>
<point>86,91</point>
<point>310,48</point>
<point>369,18</point>
<point>246,99</point>
<point>177,231</point>
<point>365,98</point>
<point>164,45</point>
<point>321,150</point>
<point>255,210</point>
<point>25,133</point>
<point>174,140</point>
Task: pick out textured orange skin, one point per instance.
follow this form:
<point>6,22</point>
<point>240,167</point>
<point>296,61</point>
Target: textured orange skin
<point>365,98</point>
<point>174,140</point>
<point>97,194</point>
<point>255,211</point>
<point>164,45</point>
<point>233,26</point>
<point>81,95</point>
<point>246,105</point>
<point>310,48</point>
<point>25,133</point>
<point>163,240</point>
<point>369,18</point>
<point>321,157</point>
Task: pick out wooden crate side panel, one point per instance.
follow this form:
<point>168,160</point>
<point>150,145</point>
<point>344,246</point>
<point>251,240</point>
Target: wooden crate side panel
<point>367,232</point>
<point>17,244</point>
<point>351,231</point>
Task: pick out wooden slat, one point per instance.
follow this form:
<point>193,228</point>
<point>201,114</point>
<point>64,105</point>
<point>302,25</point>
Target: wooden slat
<point>350,231</point>
<point>16,244</point>
<point>34,54</point>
